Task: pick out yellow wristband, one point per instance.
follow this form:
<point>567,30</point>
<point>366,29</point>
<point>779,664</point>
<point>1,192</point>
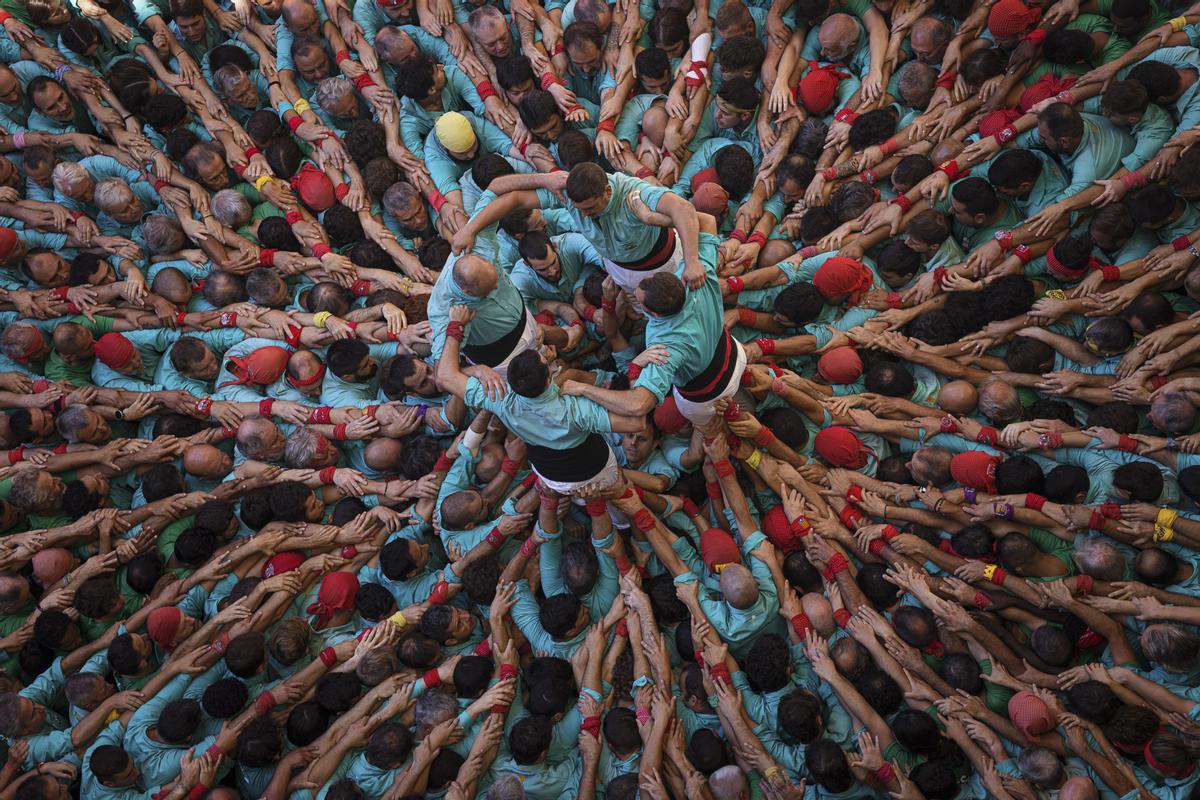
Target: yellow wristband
<point>300,106</point>
<point>261,181</point>
<point>1166,517</point>
<point>398,620</point>
<point>989,571</point>
<point>1162,534</point>
<point>1178,23</point>
<point>771,772</point>
<point>321,317</point>
<point>754,459</point>
<point>1056,294</point>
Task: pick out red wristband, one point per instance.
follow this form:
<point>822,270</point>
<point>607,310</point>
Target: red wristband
<point>486,90</point>
<point>265,405</point>
<point>723,467</point>
<point>609,125</point>
<point>265,702</point>
<point>295,122</point>
<point>16,455</point>
<point>320,250</point>
<point>767,346</point>
<point>713,490</point>
<point>1034,501</point>
<point>326,475</point>
<point>634,372</point>
<point>1006,134</point>
<point>320,415</point>
<point>902,201</point>
<point>510,467</point>
<point>1127,443</point>
<point>801,625</point>
<point>328,657</point>
<point>643,520</point>
<point>443,463</point>
<point>293,217</point>
<point>764,437</point>
<point>841,616</point>
<point>431,679</point>
<point>339,432</point>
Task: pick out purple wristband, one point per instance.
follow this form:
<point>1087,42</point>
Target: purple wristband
<point>969,494</point>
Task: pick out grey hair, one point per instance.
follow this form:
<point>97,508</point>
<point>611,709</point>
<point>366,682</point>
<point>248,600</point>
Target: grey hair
<point>71,421</point>
<point>300,447</point>
<point>112,193</point>
<point>434,708</point>
<point>507,787</point>
<point>1099,559</point>
<point>331,90</point>
<point>481,15</point>
<point>1041,766</point>
<point>376,665</point>
<point>67,175</point>
<point>229,206</point>
<point>1171,647</point>
<point>1004,409</point>
<point>162,234</point>
<point>397,196</point>
<point>227,77</point>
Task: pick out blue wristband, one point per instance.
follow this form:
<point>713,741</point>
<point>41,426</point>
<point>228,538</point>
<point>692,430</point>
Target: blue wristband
<point>284,107</point>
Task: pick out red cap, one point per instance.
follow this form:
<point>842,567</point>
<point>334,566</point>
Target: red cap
<point>113,350</point>
<point>718,549</point>
<point>667,417</point>
<point>1030,713</point>
<point>1011,18</point>
<point>818,88</point>
<point>314,188</point>
<point>975,469</point>
<point>706,175</point>
<point>840,365</point>
<point>337,593</point>
<point>8,241</point>
<point>283,562</point>
<point>842,276</point>
<point>163,624</point>
<point>711,198</point>
<point>841,447</point>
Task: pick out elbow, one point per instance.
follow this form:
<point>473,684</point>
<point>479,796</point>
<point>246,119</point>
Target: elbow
<point>645,403</point>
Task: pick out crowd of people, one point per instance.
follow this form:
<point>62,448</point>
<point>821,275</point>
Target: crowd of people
<point>705,399</point>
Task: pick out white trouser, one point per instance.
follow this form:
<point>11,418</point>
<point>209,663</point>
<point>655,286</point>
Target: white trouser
<point>628,279</point>
<point>604,479</point>
<point>528,341</point>
<point>700,413</point>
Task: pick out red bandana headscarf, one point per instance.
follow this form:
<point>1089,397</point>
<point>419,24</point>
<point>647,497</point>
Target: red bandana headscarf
<point>113,350</point>
<point>818,88</point>
<point>262,367</point>
<point>842,276</point>
<point>337,593</point>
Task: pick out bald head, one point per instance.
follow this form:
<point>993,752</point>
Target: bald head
<point>304,368</point>
<point>928,39</point>
<point>383,455</point>
<point>931,465</point>
<point>999,401</point>
<point>739,586</point>
<point>72,339</point>
<point>819,612</point>
<point>475,275</point>
<point>259,439</point>
<point>206,461</point>
<point>729,783</point>
<point>172,285</point>
<point>299,15</point>
<point>958,397</point>
<point>838,37</point>
<point>1080,787</point>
